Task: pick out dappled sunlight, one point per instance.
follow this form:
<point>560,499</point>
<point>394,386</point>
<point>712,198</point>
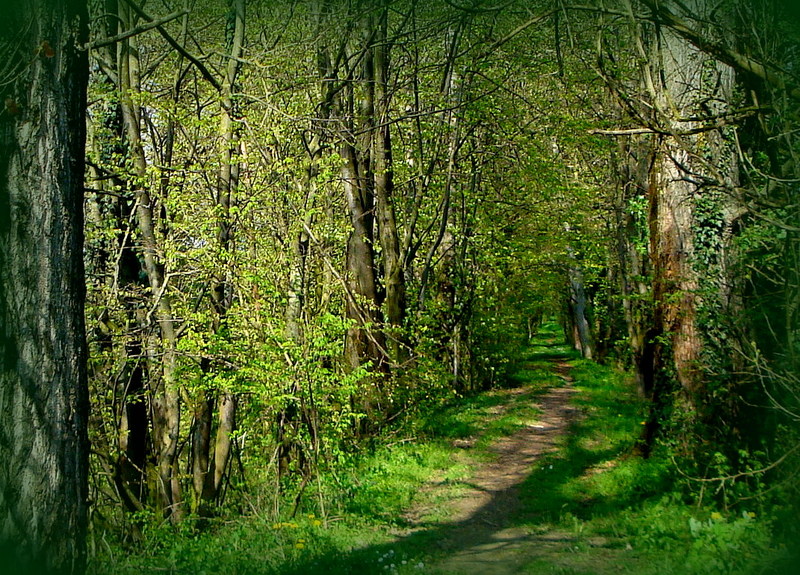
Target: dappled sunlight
<point>361,286</point>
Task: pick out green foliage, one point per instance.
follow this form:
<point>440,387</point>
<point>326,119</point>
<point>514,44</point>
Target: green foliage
<point>508,148</point>
<point>591,488</point>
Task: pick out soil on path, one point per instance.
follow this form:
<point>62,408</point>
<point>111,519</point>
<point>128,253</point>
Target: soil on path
<point>479,538</point>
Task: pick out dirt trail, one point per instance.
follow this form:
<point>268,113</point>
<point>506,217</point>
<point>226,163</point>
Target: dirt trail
<point>479,539</point>
<point>493,495</point>
<point>480,542</point>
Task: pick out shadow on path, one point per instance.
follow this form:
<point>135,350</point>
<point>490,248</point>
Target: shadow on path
<point>482,535</point>
<point>479,538</point>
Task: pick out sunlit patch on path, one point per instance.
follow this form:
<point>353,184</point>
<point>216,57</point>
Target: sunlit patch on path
<point>479,538</point>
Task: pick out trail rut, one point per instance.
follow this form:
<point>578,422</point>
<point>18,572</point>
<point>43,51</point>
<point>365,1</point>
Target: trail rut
<point>480,539</point>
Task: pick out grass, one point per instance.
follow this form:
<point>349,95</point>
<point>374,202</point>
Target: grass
<point>617,513</point>
<point>366,504</point>
<point>595,489</point>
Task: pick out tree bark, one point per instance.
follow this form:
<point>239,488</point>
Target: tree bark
<point>209,462</point>
<point>632,238</point>
<point>394,277</point>
<point>581,336</point>
<point>364,342</point>
<point>692,205</point>
<point>43,388</point>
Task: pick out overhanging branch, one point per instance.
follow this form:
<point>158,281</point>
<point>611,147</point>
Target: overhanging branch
<point>740,62</point>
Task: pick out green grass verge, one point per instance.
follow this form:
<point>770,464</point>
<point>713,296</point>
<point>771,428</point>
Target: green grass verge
<point>630,510</point>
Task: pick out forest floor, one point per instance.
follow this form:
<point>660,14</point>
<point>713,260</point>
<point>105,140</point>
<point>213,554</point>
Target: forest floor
<point>481,533</point>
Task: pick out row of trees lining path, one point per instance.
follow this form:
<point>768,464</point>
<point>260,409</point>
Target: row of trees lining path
<point>290,223</point>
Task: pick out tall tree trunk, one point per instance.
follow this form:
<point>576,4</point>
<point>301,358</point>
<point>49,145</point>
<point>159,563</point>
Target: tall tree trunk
<point>692,205</point>
<point>632,239</point>
<point>208,466</point>
<point>580,333</point>
<point>393,274</point>
<point>114,267</point>
<point>160,345</point>
<point>363,305</point>
<point>364,342</point>
<point>43,388</point>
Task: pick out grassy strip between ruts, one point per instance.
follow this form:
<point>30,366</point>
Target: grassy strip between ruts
<point>622,513</point>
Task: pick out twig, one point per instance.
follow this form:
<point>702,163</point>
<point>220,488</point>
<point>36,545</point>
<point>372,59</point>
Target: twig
<point>175,44</point>
<point>769,467</point>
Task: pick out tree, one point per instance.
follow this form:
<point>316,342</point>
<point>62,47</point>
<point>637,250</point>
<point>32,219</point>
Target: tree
<point>43,391</point>
<point>681,168</point>
<point>209,464</point>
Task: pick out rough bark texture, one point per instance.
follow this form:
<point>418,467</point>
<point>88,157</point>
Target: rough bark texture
<point>692,203</point>
<point>43,389</point>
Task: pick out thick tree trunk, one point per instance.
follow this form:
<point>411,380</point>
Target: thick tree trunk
<point>692,205</point>
<point>675,279</point>
<point>43,389</point>
<point>364,304</point>
<point>364,342</point>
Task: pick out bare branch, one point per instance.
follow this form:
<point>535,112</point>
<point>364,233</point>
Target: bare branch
<point>134,31</point>
<point>206,73</point>
<point>664,16</point>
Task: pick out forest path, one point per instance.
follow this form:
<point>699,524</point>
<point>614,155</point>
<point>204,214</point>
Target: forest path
<point>478,536</point>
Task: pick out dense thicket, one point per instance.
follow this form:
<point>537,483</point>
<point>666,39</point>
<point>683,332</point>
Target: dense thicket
<point>307,218</point>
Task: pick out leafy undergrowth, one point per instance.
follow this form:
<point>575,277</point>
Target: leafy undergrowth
<point>614,506</point>
<point>605,497</point>
<point>349,521</point>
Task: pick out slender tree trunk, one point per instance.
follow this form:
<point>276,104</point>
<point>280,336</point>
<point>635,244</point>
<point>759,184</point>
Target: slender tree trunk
<point>114,267</point>
<point>160,345</point>
<point>43,387</point>
<point>209,462</point>
<point>632,239</point>
<point>581,336</point>
<point>364,306</point>
<point>394,278</point>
